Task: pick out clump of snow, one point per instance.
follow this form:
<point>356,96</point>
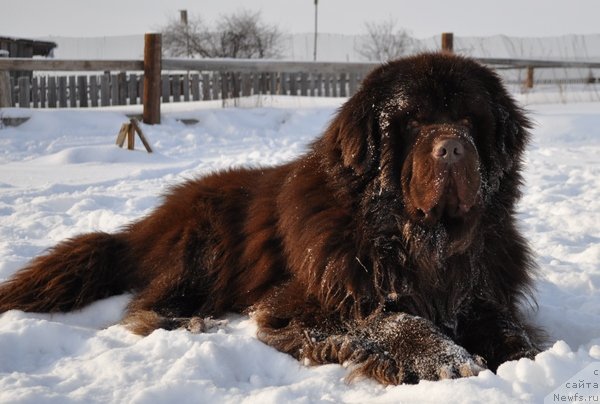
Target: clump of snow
<point>61,174</point>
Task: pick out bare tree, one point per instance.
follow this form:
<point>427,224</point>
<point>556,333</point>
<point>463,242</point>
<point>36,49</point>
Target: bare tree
<point>238,35</point>
<point>181,39</point>
<point>383,42</point>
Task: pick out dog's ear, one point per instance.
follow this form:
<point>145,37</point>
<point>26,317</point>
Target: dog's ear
<point>352,136</point>
<point>512,127</point>
<point>510,138</point>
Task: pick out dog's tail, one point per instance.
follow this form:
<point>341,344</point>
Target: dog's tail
<point>71,275</point>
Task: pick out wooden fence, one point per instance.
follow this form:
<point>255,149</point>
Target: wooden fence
<point>122,82</point>
<point>215,80</point>
<point>204,81</point>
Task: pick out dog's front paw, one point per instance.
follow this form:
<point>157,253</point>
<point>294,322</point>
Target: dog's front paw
<point>450,361</point>
<point>400,348</point>
<point>413,350</point>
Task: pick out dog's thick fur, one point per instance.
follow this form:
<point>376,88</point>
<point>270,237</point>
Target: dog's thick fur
<point>390,246</point>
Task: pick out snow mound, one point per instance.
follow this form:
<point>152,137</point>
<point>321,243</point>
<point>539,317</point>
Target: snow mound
<point>101,154</point>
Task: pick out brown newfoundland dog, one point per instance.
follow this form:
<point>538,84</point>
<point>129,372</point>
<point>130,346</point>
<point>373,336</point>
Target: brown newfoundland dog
<point>390,246</point>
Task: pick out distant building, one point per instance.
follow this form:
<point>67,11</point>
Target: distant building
<point>25,48</point>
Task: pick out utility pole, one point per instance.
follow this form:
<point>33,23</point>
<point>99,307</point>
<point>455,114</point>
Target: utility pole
<point>183,18</point>
<point>316,15</point>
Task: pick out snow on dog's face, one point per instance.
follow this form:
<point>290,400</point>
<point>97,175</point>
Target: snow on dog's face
<point>440,132</point>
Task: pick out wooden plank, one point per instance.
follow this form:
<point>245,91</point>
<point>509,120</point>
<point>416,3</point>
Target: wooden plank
<point>334,85</point>
<point>274,86</point>
<point>265,83</point>
<point>261,83</point>
<point>63,88</point>
<point>122,134</point>
<point>82,91</point>
<point>235,85</point>
<point>241,84</point>
<point>176,87</point>
<point>43,94</point>
<point>94,91</point>
<point>6,89</point>
<point>14,92</point>
<point>213,86</point>
<point>166,88</point>
<point>206,87</point>
<point>132,85</point>
<point>226,86</point>
<point>35,92</point>
<point>264,65</point>
<point>69,65</point>
<point>186,87</point>
<point>293,83</point>
<point>216,86</point>
<point>52,96</point>
<point>281,83</point>
<point>224,77</point>
<point>72,92</point>
<point>248,66</point>
<point>24,92</point>
<point>352,83</point>
<point>304,84</point>
<point>246,84</point>
<point>122,77</point>
<point>269,82</point>
<point>256,80</point>
<point>114,89</point>
<point>195,87</point>
<point>134,123</point>
<point>285,83</point>
<point>130,137</point>
<point>105,89</point>
<point>141,97</point>
<point>342,84</point>
<point>317,82</point>
<point>327,84</point>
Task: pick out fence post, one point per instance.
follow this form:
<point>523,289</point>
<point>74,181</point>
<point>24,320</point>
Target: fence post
<point>448,42</point>
<point>5,90</point>
<point>529,80</point>
<point>152,82</point>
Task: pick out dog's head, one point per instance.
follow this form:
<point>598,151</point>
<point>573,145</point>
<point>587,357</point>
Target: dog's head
<point>438,130</point>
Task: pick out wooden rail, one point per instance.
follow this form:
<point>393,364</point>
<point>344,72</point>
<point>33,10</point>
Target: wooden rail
<point>539,63</point>
<point>251,65</point>
<point>266,66</point>
<point>69,65</point>
<point>155,80</point>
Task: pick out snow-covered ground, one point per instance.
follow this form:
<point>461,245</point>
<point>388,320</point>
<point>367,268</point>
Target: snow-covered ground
<point>61,174</point>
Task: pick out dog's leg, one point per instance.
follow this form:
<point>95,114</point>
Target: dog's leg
<point>391,348</point>
<point>169,302</point>
<point>498,336</point>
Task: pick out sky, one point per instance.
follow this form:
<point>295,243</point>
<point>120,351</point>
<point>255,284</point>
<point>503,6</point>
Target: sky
<point>423,18</point>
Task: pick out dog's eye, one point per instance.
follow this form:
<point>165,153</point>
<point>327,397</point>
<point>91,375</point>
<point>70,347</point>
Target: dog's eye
<point>466,122</point>
<point>413,124</point>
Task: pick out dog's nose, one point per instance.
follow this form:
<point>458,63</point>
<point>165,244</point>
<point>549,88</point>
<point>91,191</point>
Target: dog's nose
<point>448,150</point>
